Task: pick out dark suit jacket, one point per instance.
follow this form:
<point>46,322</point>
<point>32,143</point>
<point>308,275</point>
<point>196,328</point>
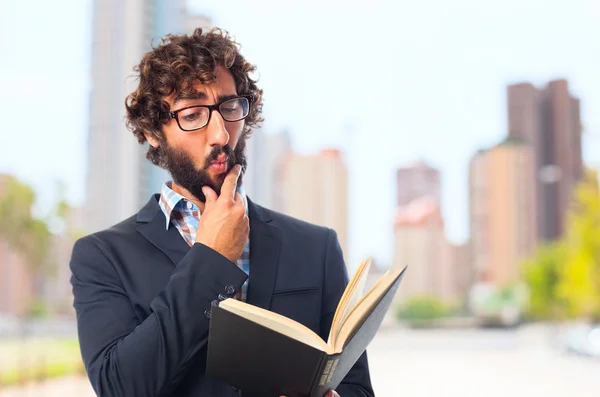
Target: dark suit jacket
<point>141,294</point>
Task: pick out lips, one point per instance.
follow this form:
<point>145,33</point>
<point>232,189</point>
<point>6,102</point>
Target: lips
<point>220,160</point>
<point>219,166</point>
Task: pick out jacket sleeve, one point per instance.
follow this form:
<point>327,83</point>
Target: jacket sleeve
<point>124,357</point>
<point>357,382</point>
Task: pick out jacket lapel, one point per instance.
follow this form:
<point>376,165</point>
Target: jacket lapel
<point>265,245</point>
<point>153,227</point>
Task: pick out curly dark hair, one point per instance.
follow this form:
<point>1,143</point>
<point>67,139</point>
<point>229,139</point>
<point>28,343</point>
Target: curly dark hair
<point>175,65</point>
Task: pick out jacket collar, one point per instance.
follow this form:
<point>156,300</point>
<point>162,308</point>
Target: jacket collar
<point>265,246</point>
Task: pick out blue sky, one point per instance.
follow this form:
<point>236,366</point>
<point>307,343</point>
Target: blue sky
<point>413,80</point>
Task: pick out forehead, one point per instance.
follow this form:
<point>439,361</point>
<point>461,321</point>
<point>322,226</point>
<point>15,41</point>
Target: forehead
<point>222,85</point>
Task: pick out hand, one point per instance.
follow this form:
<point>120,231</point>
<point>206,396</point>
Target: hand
<point>330,393</point>
<point>224,225</point>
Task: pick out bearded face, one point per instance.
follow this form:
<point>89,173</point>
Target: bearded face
<point>187,174</point>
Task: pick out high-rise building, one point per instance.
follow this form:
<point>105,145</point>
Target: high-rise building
<point>119,178</point>
<point>419,243</point>
<point>479,213</point>
<point>315,189</point>
<point>457,273</point>
<point>548,119</point>
<point>502,217</point>
<point>417,181</point>
<point>266,154</point>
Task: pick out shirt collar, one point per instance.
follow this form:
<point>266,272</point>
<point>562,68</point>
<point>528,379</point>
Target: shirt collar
<point>171,201</point>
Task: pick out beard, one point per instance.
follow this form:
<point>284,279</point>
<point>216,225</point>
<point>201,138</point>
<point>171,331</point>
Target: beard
<point>185,173</point>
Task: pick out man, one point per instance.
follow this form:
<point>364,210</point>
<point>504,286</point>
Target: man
<point>144,288</point>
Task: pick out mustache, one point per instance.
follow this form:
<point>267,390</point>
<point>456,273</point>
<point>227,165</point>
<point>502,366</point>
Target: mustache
<point>216,152</point>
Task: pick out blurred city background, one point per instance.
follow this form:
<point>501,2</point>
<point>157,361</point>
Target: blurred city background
<point>460,138</point>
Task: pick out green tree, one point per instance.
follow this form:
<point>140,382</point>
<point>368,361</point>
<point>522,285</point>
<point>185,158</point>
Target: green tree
<point>422,308</point>
<point>22,231</point>
<point>579,280</point>
<point>542,274</point>
<point>563,277</point>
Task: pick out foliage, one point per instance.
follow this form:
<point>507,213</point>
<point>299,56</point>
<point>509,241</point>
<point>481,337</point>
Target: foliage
<point>564,277</point>
<point>39,372</point>
<point>29,235</point>
<point>423,308</point>
<point>38,309</point>
<point>579,280</point>
<point>542,275</point>
<point>23,232</point>
<point>44,358</point>
<point>507,296</point>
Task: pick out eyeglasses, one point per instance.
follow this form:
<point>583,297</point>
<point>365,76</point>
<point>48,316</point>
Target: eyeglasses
<point>193,118</point>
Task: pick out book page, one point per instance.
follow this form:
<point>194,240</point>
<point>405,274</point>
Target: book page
<point>276,322</point>
<point>364,307</point>
<point>352,295</point>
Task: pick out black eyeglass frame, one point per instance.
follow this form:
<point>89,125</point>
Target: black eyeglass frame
<point>216,106</point>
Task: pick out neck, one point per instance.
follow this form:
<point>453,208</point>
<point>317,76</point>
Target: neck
<point>185,193</point>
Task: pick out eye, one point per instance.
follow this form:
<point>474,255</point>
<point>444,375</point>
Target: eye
<point>229,108</point>
<point>191,116</point>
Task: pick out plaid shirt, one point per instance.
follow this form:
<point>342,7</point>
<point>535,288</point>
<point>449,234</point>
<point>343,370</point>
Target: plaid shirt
<point>185,215</point>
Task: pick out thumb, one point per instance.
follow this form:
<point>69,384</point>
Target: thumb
<point>210,195</point>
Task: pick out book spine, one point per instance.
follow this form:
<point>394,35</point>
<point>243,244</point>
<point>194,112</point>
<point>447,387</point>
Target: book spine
<point>318,373</point>
<point>324,375</point>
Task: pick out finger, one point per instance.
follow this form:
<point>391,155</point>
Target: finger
<point>210,195</point>
<point>229,187</point>
<point>238,198</point>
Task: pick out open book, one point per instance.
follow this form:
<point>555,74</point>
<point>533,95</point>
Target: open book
<point>263,352</point>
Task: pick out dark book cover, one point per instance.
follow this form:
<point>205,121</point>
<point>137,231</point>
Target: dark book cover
<point>261,361</point>
<point>330,378</point>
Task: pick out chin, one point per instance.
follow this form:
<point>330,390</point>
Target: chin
<point>217,181</point>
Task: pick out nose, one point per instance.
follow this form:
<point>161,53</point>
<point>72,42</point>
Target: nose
<point>216,131</point>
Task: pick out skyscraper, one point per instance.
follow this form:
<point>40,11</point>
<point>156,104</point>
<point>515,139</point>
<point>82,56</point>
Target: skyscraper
<point>119,179</point>
<point>457,271</point>
<point>548,119</point>
<point>479,213</point>
<point>266,154</point>
<point>502,220</point>
<point>315,189</point>
<point>419,243</point>
<point>417,181</point>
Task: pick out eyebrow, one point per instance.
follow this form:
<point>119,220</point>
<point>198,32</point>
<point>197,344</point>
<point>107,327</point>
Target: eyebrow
<point>183,96</point>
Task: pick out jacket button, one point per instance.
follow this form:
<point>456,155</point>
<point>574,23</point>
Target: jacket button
<point>214,303</point>
<point>230,290</point>
<point>207,314</point>
<point>222,297</point>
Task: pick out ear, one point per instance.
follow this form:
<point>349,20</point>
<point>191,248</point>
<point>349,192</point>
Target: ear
<point>152,140</point>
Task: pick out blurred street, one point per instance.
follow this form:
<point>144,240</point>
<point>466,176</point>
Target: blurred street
<point>482,363</point>
<point>449,363</point>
